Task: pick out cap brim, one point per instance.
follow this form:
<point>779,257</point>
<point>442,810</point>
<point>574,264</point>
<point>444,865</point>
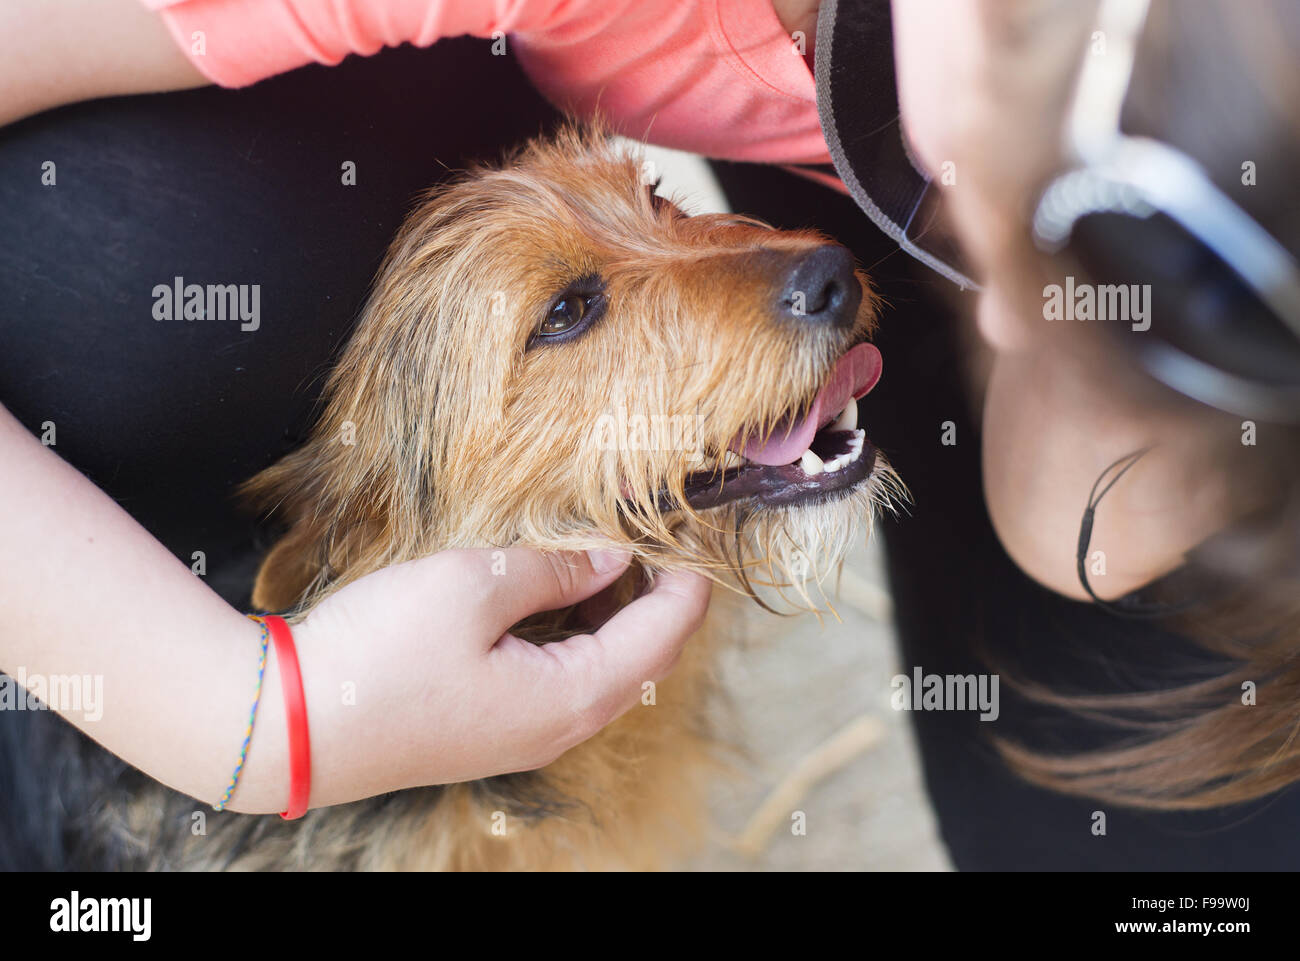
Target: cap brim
<point>857,101</point>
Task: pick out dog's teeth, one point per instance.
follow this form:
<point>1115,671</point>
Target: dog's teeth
<point>856,445</point>
<point>732,459</point>
<point>848,419</point>
<point>811,463</point>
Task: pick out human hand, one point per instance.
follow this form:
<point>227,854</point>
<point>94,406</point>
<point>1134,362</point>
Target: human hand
<point>442,693</point>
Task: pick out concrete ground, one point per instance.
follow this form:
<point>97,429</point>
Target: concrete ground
<point>793,689</point>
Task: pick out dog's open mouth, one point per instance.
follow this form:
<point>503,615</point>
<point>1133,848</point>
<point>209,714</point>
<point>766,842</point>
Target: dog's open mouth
<point>804,458</point>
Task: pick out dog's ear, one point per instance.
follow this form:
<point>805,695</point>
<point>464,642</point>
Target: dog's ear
<point>288,570</point>
<point>316,554</point>
<point>287,491</point>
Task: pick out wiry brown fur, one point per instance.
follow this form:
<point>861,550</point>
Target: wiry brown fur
<point>442,430</point>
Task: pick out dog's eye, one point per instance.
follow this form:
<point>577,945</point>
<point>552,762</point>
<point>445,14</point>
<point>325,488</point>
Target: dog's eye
<point>573,310</point>
<point>566,313</point>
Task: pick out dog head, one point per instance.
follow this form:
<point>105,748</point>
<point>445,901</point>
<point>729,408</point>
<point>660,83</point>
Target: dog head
<point>554,356</point>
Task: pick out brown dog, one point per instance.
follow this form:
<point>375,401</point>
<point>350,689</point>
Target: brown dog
<point>554,357</point>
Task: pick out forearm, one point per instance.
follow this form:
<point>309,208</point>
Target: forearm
<point>86,591</point>
<point>62,51</point>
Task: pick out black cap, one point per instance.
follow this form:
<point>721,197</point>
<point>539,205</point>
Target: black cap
<point>857,100</point>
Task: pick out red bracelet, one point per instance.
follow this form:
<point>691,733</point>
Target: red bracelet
<point>295,709</point>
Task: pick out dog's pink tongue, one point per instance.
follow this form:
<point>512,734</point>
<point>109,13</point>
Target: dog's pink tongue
<point>853,376</point>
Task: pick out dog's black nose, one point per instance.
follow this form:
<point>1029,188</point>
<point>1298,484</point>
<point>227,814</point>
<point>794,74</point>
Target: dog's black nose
<point>821,288</point>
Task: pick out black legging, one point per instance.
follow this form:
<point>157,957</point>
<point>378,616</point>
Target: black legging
<point>245,187</point>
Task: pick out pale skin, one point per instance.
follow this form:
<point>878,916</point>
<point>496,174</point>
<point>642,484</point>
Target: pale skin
<point>84,589</point>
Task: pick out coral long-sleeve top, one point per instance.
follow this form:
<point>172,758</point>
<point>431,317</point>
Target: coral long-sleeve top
<point>717,77</point>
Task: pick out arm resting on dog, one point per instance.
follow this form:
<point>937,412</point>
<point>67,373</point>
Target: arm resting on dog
<point>442,692</point>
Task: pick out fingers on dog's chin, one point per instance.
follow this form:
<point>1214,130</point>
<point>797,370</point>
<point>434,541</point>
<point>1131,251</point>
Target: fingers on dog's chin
<point>692,588</point>
<point>609,561</point>
<point>645,637</point>
<point>512,648</point>
<point>577,578</point>
<point>522,581</point>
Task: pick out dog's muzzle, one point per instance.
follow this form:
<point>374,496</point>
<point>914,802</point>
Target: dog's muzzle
<point>805,458</point>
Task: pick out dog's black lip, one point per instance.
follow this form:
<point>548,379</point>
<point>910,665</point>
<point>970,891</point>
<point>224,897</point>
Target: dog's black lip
<point>770,486</point>
<point>773,486</point>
